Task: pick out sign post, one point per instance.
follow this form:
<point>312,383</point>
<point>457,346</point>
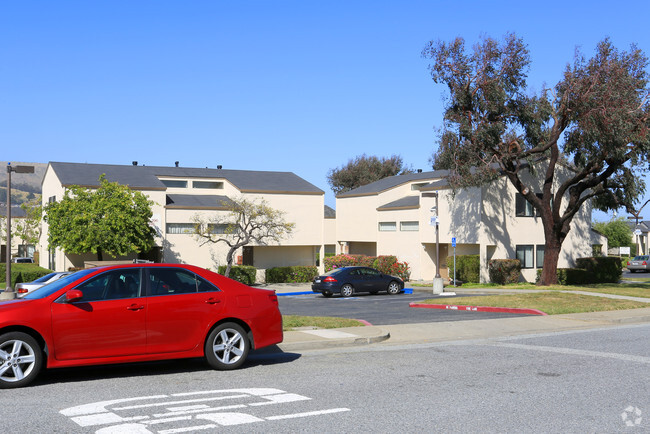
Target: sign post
<point>453,244</point>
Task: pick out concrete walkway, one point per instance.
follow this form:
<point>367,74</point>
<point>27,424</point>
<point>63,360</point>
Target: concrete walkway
<point>309,339</point>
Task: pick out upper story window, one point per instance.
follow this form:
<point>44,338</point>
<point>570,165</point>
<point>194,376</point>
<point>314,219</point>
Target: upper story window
<point>387,226</point>
<point>417,187</point>
<point>218,228</point>
<point>173,183</point>
<point>207,184</point>
<point>180,228</point>
<point>523,208</point>
<point>409,226</point>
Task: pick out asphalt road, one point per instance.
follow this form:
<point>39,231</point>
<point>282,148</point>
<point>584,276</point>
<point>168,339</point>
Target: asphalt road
<point>569,382</point>
<point>379,309</point>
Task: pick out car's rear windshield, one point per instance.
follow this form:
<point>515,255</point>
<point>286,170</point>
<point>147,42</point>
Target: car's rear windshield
<point>45,278</point>
<point>641,258</point>
<point>51,288</point>
<point>334,272</point>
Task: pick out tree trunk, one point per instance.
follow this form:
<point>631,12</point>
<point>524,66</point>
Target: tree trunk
<point>100,255</point>
<point>229,260</point>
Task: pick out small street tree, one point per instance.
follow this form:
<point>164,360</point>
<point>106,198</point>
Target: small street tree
<point>28,229</point>
<point>363,170</point>
<point>617,231</point>
<point>112,219</point>
<point>594,124</point>
<point>246,221</point>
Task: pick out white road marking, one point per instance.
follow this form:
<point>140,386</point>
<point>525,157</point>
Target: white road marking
<point>572,351</point>
<point>307,414</point>
<point>193,409</point>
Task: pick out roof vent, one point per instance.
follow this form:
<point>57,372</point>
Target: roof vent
<point>176,163</point>
<point>135,163</point>
<point>219,167</point>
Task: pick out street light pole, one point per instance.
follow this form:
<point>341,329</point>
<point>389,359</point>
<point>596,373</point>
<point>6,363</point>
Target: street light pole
<point>437,239</point>
<point>9,292</point>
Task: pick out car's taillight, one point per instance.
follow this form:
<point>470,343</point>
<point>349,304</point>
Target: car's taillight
<point>645,263</point>
<point>274,298</point>
<point>628,262</point>
<point>21,291</point>
<point>329,279</point>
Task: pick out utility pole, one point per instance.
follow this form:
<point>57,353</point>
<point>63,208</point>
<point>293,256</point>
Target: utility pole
<point>9,292</point>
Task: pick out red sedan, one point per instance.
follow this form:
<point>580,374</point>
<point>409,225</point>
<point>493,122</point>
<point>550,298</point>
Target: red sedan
<point>133,313</point>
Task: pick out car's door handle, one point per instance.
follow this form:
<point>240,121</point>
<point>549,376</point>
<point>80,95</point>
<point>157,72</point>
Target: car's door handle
<point>212,300</point>
<point>135,307</point>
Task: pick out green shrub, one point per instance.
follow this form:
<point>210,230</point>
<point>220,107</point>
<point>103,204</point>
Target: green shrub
<point>467,268</point>
<point>504,271</point>
<point>22,273</point>
<point>292,274</point>
<point>339,261</point>
<point>241,273</point>
<point>601,269</point>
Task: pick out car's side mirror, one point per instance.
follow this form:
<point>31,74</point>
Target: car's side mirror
<point>73,295</point>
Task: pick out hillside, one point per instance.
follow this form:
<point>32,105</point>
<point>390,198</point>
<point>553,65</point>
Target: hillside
<point>24,186</point>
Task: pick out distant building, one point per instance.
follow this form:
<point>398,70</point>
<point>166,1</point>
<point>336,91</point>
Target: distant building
<point>179,193</point>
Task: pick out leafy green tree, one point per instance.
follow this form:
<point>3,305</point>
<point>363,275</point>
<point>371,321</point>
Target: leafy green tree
<point>593,123</point>
<point>363,170</point>
<point>617,231</point>
<point>112,219</point>
<point>28,229</point>
<point>245,222</point>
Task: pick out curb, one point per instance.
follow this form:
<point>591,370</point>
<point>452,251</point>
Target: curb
<point>317,344</point>
<point>479,308</point>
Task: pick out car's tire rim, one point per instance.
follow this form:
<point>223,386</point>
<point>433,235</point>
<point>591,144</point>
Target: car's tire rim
<point>228,346</point>
<point>17,360</point>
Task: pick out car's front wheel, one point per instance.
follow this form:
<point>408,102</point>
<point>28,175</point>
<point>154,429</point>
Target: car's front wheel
<point>347,290</point>
<point>394,288</point>
<point>227,347</point>
<point>21,359</point>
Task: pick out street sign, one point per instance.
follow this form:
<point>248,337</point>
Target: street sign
<point>434,220</point>
<point>637,232</point>
<point>453,241</point>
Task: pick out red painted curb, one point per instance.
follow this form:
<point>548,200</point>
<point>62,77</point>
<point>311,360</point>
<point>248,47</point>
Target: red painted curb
<point>479,308</point>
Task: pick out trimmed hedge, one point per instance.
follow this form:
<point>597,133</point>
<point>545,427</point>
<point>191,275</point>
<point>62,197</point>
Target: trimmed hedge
<point>601,269</point>
<point>569,276</point>
<point>467,268</point>
<point>291,274</point>
<point>241,273</point>
<point>22,273</point>
<point>504,271</point>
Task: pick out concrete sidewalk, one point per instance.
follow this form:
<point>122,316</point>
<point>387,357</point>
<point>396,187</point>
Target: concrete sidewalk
<point>309,339</point>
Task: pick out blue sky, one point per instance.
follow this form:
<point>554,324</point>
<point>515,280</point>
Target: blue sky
<point>299,86</point>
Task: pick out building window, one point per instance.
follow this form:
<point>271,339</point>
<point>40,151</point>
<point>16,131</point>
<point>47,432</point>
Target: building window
<point>525,256</point>
<point>171,183</point>
<point>539,256</point>
<point>597,250</point>
<point>409,226</point>
<point>387,226</point>
<point>417,187</point>
<point>180,228</point>
<point>207,184</point>
<point>523,208</point>
<point>218,228</point>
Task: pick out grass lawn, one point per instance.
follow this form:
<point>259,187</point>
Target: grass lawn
<point>290,322</point>
<point>548,302</point>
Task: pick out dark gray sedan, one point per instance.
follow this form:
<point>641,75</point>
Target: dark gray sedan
<point>350,280</point>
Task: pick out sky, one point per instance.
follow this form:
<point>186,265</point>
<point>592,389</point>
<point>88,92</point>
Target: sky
<point>296,86</point>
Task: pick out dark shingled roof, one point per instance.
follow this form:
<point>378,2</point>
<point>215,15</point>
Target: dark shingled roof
<point>405,202</point>
<point>146,177</point>
<point>393,181</point>
<point>330,213</point>
<point>197,201</point>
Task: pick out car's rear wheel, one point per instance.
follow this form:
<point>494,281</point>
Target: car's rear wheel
<point>227,347</point>
<point>21,359</point>
<point>347,290</point>
<point>394,288</point>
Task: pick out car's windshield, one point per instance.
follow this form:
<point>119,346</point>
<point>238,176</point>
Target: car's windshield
<point>51,288</point>
<point>45,278</point>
